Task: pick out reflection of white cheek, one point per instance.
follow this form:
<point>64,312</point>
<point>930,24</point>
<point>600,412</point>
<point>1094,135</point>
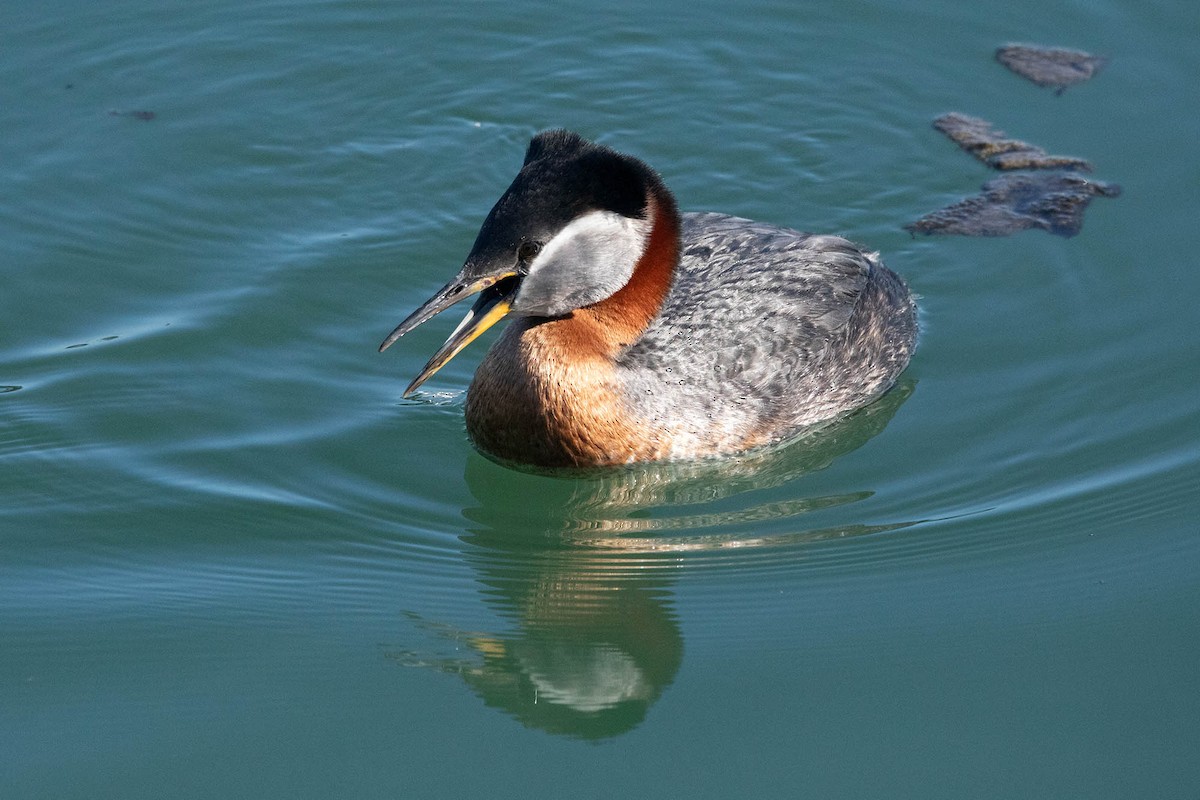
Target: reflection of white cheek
<point>589,677</point>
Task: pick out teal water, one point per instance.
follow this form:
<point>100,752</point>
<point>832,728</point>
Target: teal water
<point>235,563</point>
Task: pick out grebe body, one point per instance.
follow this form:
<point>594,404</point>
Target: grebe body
<point>642,334</point>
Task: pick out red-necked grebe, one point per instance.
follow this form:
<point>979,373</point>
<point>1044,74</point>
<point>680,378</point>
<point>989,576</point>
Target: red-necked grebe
<point>642,334</point>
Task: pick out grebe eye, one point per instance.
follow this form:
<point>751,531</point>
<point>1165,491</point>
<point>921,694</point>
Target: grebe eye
<point>526,251</point>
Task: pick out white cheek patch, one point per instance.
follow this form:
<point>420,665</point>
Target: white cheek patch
<point>589,260</point>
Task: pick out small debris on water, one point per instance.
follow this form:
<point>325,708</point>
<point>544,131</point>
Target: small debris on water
<point>144,116</point>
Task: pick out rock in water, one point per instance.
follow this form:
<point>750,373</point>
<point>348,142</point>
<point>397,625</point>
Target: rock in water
<point>1054,67</point>
<point>1051,201</point>
<point>980,139</point>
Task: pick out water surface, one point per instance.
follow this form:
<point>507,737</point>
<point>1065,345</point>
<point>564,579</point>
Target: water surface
<point>235,563</point>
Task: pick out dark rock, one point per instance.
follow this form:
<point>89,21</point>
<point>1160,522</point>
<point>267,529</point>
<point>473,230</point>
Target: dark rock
<point>1054,67</point>
<point>980,139</point>
<point>1051,201</point>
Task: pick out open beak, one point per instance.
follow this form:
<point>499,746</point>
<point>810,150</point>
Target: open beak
<point>492,305</point>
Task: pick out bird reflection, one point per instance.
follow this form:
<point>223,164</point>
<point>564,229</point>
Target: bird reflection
<point>581,569</point>
<point>587,659</point>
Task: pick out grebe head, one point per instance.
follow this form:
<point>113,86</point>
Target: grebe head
<point>566,234</point>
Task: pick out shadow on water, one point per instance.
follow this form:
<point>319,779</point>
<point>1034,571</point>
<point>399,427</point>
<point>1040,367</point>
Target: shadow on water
<point>581,568</point>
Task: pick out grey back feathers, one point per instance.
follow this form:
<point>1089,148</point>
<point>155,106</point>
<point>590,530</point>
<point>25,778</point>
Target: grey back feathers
<point>766,328</point>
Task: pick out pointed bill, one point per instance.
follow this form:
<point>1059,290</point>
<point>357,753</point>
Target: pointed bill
<point>489,308</point>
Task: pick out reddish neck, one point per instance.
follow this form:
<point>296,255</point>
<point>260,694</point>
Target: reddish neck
<point>620,319</point>
<point>547,392</point>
